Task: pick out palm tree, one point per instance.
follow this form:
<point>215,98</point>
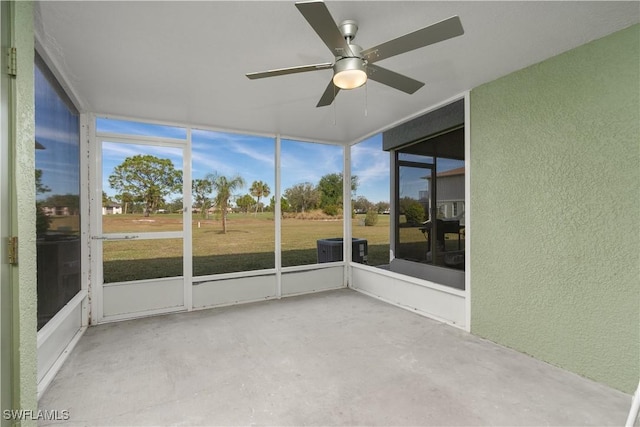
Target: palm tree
<point>223,187</point>
<point>201,188</point>
<point>259,189</point>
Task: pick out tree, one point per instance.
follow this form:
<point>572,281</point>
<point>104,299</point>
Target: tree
<point>175,205</point>
<point>161,203</point>
<point>302,196</point>
<point>146,177</point>
<point>223,187</point>
<point>382,207</point>
<point>330,188</point>
<point>125,199</point>
<point>412,210</point>
<point>42,220</point>
<point>40,187</point>
<point>361,204</point>
<point>284,205</point>
<point>201,189</point>
<point>245,202</point>
<point>259,189</point>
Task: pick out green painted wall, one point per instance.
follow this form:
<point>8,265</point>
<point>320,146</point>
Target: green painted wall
<point>555,210</point>
<point>23,218</point>
<point>6,306</point>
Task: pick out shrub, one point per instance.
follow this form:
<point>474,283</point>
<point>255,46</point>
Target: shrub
<point>42,221</point>
<point>371,218</point>
<point>331,210</point>
<point>414,213</point>
<point>313,215</point>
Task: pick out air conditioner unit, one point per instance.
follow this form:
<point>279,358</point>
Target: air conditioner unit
<point>330,250</point>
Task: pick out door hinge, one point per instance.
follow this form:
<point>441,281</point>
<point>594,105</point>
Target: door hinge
<point>12,62</point>
<point>12,250</point>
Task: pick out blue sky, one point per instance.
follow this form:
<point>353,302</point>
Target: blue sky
<point>253,157</point>
<point>371,165</point>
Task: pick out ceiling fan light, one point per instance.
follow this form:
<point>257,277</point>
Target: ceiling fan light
<point>349,73</point>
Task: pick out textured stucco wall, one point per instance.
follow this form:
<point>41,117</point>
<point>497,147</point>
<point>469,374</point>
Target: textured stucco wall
<point>6,304</point>
<point>23,220</point>
<point>555,172</point>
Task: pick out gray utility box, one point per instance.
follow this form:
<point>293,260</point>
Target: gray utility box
<point>330,250</point>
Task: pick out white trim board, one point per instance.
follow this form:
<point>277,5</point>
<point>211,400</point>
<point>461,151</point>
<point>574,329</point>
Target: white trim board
<point>58,337</point>
<point>431,300</point>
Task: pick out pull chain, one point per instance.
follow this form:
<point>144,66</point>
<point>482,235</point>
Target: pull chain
<point>366,99</point>
<point>334,105</point>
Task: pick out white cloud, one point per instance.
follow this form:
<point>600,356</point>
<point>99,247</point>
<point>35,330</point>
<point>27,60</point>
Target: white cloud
<point>115,151</point>
<point>267,159</point>
<point>54,133</point>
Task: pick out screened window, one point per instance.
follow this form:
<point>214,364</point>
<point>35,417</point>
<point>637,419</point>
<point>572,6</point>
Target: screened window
<point>57,175</point>
<point>371,207</point>
<point>312,203</point>
<point>233,226</point>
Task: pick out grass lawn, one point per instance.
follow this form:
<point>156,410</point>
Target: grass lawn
<point>69,224</point>
<point>249,244</point>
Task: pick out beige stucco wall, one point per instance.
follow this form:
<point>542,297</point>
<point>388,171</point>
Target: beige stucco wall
<point>555,173</point>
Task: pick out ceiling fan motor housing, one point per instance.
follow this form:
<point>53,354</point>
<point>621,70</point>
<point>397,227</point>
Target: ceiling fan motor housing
<point>355,50</point>
<point>348,64</point>
<point>353,61</point>
<point>348,28</point>
<point>349,72</point>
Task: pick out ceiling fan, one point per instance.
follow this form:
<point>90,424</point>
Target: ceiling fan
<point>353,65</point>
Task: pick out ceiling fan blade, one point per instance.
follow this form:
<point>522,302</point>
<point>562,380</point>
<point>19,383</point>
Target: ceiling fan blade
<point>289,70</point>
<point>318,16</point>
<point>329,95</point>
<point>393,79</point>
<point>443,30</point>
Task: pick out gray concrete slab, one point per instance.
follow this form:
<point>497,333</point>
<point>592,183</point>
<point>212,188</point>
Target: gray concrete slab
<point>333,358</point>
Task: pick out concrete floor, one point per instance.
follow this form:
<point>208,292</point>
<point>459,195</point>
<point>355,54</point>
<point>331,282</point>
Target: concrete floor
<point>333,358</point>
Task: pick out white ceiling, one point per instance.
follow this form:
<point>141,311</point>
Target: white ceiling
<point>185,61</point>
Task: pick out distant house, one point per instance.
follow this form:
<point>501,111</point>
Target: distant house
<point>214,209</point>
<point>450,194</point>
<point>111,209</point>
<point>57,210</point>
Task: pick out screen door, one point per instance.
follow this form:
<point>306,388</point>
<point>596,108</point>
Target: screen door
<point>141,238</point>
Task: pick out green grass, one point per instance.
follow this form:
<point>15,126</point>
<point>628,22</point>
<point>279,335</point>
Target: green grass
<point>69,224</point>
<point>249,244</point>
